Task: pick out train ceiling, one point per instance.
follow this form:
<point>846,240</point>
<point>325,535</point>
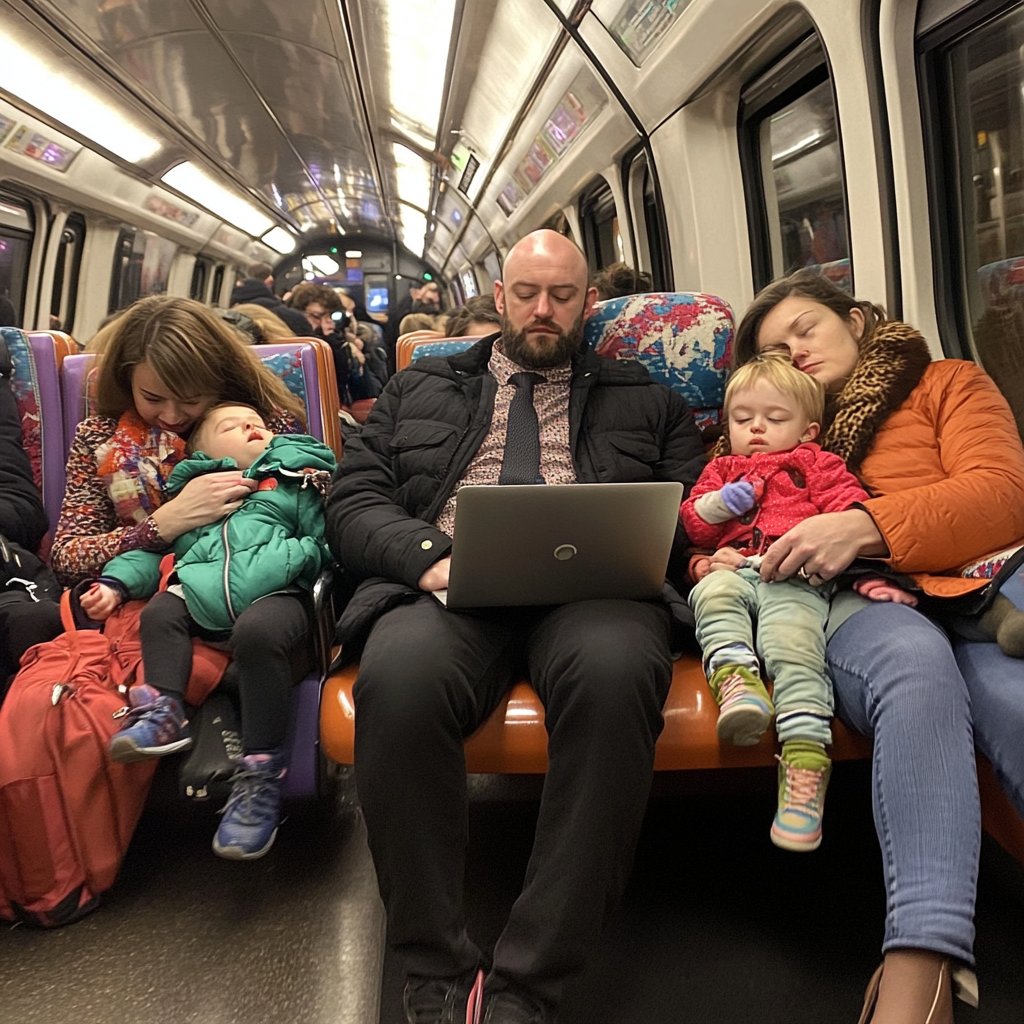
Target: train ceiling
<point>327,116</point>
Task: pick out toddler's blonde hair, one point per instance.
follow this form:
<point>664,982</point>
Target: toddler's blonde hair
<point>777,369</point>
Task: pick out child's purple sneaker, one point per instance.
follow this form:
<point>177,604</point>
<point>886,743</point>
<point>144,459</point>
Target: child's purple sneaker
<point>153,726</point>
<point>253,810</point>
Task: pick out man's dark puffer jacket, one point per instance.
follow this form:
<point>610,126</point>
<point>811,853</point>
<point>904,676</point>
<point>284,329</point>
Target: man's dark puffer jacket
<point>426,427</point>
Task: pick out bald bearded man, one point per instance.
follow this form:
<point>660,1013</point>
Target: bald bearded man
<point>429,676</point>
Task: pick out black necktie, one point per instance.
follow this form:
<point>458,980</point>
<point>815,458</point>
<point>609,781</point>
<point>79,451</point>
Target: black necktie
<point>521,464</point>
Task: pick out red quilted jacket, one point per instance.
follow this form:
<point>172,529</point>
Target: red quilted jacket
<point>791,486</point>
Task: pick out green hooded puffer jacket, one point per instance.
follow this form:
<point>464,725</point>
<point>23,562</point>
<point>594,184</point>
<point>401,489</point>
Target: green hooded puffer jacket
<point>272,542</point>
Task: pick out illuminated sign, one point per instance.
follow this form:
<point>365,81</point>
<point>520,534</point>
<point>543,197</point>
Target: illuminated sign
<point>576,109</point>
<point>157,204</point>
<point>39,147</point>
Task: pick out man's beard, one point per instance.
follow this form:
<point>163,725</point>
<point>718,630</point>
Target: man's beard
<point>557,351</point>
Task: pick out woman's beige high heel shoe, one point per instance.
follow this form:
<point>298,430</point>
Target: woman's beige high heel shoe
<point>964,985</point>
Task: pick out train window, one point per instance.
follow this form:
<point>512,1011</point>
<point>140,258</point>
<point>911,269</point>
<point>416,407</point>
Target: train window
<point>218,284</point>
<point>469,286</point>
<point>492,264</point>
<point>648,220</point>
<point>977,77</point>
<point>559,222</point>
<point>200,275</point>
<point>17,226</point>
<point>142,264</point>
<point>66,272</point>
<point>793,175</point>
<point>599,222</point>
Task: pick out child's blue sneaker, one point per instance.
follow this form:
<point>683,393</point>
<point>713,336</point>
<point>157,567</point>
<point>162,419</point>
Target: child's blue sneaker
<point>153,726</point>
<point>253,810</point>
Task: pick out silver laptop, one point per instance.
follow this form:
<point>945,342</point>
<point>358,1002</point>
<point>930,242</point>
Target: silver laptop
<point>535,545</point>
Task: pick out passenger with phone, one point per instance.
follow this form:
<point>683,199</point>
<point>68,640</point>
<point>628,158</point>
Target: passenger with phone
<point>524,405</point>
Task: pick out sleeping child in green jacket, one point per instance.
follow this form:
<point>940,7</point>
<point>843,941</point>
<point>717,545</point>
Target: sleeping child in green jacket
<point>238,581</point>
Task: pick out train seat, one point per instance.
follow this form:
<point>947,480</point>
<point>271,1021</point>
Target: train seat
<point>439,347</point>
<point>403,346</point>
<point>36,358</point>
<point>685,341</point>
<point>306,365</point>
<point>837,271</point>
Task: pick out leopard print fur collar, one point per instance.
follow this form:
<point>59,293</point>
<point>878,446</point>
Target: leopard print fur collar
<point>891,364</point>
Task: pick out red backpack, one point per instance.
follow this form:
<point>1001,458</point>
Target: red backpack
<point>67,812</point>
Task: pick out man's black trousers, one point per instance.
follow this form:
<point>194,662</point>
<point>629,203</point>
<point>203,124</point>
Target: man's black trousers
<point>428,677</point>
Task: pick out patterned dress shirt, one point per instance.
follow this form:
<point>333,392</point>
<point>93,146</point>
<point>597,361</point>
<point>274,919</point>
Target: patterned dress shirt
<point>551,400</point>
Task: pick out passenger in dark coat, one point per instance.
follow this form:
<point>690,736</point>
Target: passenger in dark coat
<point>428,676</point>
<point>23,623</point>
<point>257,292</point>
<point>425,298</point>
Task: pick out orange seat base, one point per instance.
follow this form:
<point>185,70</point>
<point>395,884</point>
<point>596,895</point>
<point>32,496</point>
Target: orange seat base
<point>514,741</point>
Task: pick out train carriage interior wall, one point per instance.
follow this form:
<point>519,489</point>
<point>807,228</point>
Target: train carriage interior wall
<point>374,146</point>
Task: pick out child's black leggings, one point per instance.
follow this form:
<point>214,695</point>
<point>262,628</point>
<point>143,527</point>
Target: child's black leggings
<point>263,640</point>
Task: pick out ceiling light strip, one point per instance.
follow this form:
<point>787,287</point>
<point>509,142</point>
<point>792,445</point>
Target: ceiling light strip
<point>214,29</point>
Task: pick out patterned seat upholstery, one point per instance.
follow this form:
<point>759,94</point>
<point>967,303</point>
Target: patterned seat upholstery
<point>683,338</point>
<point>36,359</point>
<point>839,272</point>
<point>443,347</point>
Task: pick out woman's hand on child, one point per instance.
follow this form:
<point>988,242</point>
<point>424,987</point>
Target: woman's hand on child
<point>100,601</point>
<point>203,500</point>
<point>877,589</point>
<point>823,546</point>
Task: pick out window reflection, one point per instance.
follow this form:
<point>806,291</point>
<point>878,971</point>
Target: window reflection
<point>985,74</point>
<point>800,145</point>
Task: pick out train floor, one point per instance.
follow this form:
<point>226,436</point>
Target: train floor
<point>716,926</point>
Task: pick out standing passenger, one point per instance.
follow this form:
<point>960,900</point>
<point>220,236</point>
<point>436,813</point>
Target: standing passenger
<point>429,676</point>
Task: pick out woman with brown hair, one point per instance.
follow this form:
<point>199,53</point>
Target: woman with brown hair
<point>163,363</point>
<point>936,446</point>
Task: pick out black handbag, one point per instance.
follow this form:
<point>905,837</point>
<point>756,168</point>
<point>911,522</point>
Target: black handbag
<point>24,576</point>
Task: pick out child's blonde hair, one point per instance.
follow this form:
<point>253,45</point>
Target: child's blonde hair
<point>776,369</point>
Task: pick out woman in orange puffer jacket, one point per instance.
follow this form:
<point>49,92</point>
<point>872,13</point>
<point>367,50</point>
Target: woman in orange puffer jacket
<point>936,446</point>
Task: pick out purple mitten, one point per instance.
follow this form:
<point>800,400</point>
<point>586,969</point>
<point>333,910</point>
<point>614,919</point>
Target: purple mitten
<point>738,497</point>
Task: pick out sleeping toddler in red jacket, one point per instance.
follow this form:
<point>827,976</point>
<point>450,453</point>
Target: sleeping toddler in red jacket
<point>776,477</point>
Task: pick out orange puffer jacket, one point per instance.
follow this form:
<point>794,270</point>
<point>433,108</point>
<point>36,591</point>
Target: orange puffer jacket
<point>948,469</point>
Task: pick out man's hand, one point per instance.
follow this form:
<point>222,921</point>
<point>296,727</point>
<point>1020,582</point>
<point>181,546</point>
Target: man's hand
<point>823,546</point>
<point>727,559</point>
<point>100,601</point>
<point>436,577</point>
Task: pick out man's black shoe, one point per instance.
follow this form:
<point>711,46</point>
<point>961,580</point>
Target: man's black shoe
<point>437,1000</point>
<point>514,1007</point>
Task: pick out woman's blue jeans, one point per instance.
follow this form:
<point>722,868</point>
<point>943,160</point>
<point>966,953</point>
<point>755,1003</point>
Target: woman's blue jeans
<point>896,680</point>
<point>996,686</point>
